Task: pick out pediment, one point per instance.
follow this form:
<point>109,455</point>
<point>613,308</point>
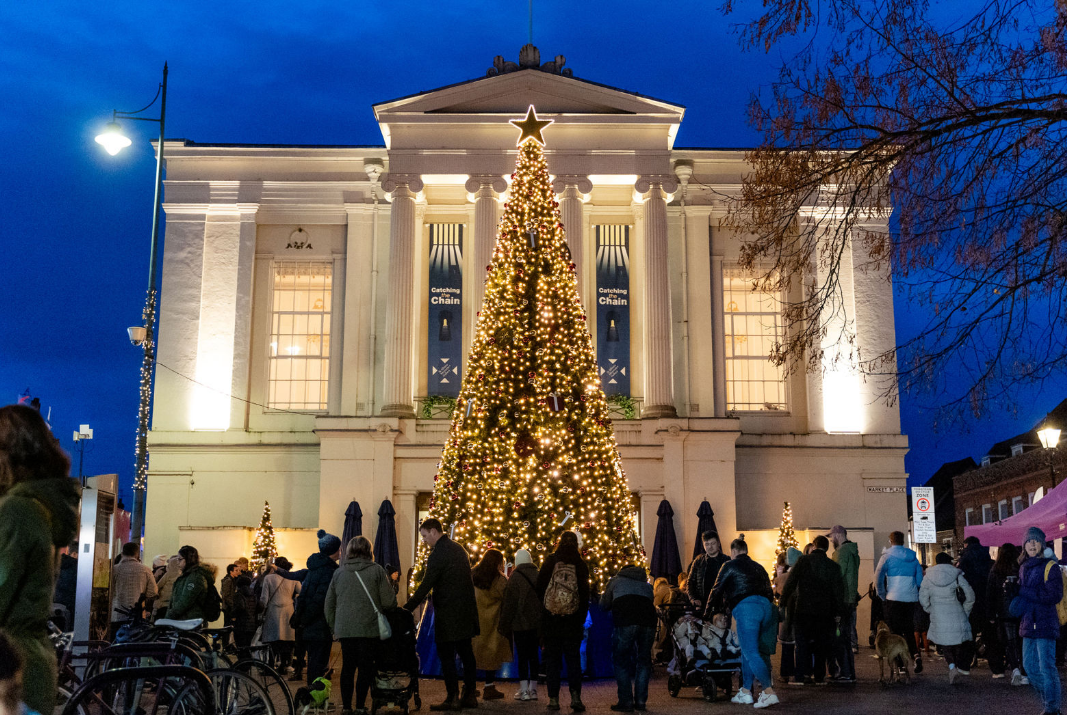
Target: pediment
<point>512,93</point>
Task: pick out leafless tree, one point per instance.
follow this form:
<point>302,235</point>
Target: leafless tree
<point>954,119</point>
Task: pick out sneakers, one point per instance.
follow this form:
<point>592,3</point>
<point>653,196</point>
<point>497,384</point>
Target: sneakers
<point>766,700</point>
<point>743,697</point>
<point>1016,677</point>
<point>918,664</point>
<point>1025,681</point>
<point>953,673</point>
<point>963,671</point>
<point>531,692</point>
<point>998,676</point>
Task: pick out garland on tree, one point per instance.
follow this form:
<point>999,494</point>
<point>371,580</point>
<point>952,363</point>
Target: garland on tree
<point>786,538</point>
<point>264,548</point>
<point>531,452</point>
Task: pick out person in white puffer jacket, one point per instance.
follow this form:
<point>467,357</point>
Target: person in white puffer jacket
<point>897,580</point>
<point>950,626</point>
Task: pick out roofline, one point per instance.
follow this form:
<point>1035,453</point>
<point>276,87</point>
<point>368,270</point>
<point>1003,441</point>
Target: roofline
<point>227,145</point>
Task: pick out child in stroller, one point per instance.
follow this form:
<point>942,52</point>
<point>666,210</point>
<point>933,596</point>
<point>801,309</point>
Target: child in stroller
<point>706,655</point>
<point>396,676</point>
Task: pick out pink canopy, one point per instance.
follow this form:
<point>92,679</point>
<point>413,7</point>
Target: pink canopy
<point>1049,515</point>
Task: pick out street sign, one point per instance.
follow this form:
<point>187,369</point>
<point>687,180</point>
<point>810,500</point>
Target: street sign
<point>922,513</point>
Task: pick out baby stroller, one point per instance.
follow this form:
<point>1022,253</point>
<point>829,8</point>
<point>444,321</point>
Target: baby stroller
<point>396,676</point>
<point>702,659</point>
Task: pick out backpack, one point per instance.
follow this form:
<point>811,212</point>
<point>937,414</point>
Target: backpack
<point>1009,590</point>
<point>212,604</point>
<point>561,596</point>
<point>1061,607</point>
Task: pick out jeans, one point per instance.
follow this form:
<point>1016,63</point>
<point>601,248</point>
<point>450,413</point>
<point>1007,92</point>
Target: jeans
<point>846,660</point>
<point>750,614</point>
<point>900,617</point>
<point>815,641</point>
<point>526,647</point>
<point>631,654</point>
<point>556,648</point>
<point>318,659</point>
<point>447,652</point>
<point>357,653</point>
<point>1039,655</point>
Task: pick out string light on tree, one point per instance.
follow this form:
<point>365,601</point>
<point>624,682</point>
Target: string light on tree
<point>264,548</point>
<point>786,538</point>
<point>531,451</point>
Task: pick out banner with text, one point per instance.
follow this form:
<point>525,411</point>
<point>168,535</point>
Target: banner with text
<point>445,339</point>
<point>613,308</point>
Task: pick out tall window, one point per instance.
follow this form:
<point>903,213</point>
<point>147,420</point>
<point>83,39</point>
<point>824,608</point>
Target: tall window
<point>969,517</point>
<point>300,335</point>
<point>753,324</point>
<point>1017,505</point>
<point>987,513</point>
<point>1002,507</point>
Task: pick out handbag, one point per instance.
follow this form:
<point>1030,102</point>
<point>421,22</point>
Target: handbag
<point>961,595</point>
<point>385,631</point>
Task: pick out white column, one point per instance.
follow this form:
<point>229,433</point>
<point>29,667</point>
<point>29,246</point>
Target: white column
<point>486,189</point>
<point>718,329</point>
<point>398,396</point>
<point>572,189</point>
<point>659,382</point>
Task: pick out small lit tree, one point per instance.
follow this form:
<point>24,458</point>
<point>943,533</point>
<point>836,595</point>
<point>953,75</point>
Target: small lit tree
<point>264,548</point>
<point>786,537</point>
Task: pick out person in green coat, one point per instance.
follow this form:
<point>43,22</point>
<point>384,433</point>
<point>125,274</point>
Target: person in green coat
<point>847,557</point>
<point>191,590</point>
<point>38,516</point>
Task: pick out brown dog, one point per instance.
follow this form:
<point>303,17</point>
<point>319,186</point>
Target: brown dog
<point>889,647</point>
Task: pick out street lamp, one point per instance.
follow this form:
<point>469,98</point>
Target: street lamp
<point>1050,437</point>
<point>114,141</point>
<point>84,432</point>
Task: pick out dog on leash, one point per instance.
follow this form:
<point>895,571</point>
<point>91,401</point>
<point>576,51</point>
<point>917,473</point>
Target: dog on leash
<point>889,647</point>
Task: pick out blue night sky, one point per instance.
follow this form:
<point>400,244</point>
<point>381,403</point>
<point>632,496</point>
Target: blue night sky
<point>76,221</point>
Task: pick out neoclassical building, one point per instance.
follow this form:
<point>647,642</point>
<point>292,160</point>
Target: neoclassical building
<point>317,304</point>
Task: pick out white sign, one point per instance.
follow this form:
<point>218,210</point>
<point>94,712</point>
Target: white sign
<point>922,513</point>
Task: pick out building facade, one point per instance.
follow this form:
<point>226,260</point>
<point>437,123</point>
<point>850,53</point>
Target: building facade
<point>317,304</point>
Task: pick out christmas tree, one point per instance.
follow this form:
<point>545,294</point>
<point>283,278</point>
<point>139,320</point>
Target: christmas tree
<point>264,549</point>
<point>786,538</point>
<point>531,452</point>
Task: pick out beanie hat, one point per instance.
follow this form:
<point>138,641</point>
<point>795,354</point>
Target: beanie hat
<point>792,555</point>
<point>1034,534</point>
<point>522,556</point>
<point>328,543</point>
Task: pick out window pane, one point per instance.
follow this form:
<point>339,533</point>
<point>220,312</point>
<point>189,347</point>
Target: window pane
<point>752,327</point>
<point>300,328</point>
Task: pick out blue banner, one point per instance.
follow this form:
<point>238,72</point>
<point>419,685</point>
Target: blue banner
<point>445,339</point>
<point>613,308</point>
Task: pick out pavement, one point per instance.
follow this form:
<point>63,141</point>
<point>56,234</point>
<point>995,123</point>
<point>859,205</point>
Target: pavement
<point>929,693</point>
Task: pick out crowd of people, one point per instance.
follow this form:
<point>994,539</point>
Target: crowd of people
<point>489,614</point>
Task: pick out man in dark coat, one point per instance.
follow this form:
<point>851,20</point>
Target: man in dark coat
<point>311,605</point>
<point>448,577</point>
<point>705,569</point>
<point>975,563</point>
<point>820,594</point>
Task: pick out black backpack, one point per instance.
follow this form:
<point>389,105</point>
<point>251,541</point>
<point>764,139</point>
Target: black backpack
<point>1009,591</point>
<point>212,604</point>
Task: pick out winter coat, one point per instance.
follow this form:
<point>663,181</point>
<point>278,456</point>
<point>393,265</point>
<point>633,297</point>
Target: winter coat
<point>996,607</point>
<point>571,625</point>
<point>448,575</point>
<point>311,604</point>
<point>277,598</point>
<point>243,610</point>
<point>522,608</point>
<point>629,598</point>
<point>166,584</point>
<point>491,649</point>
<point>738,579</point>
<point>1035,605</point>
<point>948,617</point>
<point>975,562</point>
<point>191,590</point>
<point>819,586</point>
<point>898,575</point>
<point>348,611</point>
<point>226,588</point>
<point>702,574</point>
<point>36,519</point>
<point>847,558</point>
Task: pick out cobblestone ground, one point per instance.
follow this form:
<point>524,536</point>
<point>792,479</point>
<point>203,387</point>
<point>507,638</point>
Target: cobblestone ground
<point>929,693</point>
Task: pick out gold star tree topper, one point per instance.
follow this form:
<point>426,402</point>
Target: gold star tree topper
<point>531,127</point>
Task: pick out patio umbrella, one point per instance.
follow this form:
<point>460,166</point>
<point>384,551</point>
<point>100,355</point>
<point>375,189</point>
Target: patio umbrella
<point>386,550</point>
<point>353,523</point>
<point>705,522</point>
<point>665,560</point>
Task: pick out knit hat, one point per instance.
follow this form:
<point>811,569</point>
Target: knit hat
<point>522,556</point>
<point>159,562</point>
<point>1034,534</point>
<point>792,555</point>
<point>328,543</point>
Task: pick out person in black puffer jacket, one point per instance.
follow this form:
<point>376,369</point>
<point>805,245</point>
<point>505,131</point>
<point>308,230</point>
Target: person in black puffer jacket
<point>311,605</point>
<point>820,603</point>
<point>633,616</point>
<point>975,563</point>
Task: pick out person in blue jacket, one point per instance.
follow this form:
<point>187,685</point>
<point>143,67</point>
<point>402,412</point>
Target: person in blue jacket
<point>897,580</point>
<point>1040,589</point>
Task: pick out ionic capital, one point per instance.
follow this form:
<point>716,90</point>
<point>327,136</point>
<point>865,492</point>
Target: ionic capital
<point>493,182</point>
<point>394,182</point>
<point>564,181</point>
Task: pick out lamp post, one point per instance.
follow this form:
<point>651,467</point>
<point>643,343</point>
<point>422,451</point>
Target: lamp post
<point>144,335</point>
<point>1050,437</point>
<point>81,434</point>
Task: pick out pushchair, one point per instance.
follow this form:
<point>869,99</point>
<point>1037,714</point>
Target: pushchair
<point>396,676</point>
<point>700,660</point>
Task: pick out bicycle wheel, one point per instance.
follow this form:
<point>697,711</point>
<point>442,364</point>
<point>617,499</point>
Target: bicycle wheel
<point>239,694</point>
<point>63,694</point>
<point>271,680</point>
